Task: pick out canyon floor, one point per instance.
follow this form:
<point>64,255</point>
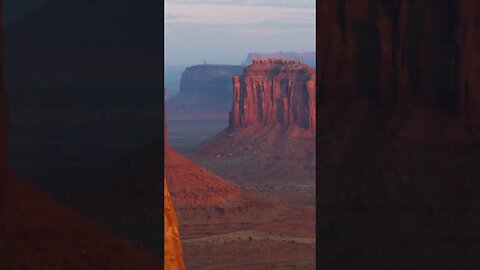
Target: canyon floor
<point>278,235</point>
<point>183,135</point>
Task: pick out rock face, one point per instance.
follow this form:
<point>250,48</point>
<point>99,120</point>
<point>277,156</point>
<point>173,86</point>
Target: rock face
<point>269,146</point>
<point>468,46</point>
<point>307,58</point>
<point>274,92</point>
<point>399,51</point>
<point>271,133</point>
<point>3,116</point>
<point>173,259</point>
<point>204,93</point>
<point>172,248</point>
<point>398,113</point>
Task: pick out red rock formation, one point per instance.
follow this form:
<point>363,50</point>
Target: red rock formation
<point>400,51</point>
<point>173,259</point>
<point>274,92</point>
<point>469,61</point>
<point>172,248</point>
<point>398,81</point>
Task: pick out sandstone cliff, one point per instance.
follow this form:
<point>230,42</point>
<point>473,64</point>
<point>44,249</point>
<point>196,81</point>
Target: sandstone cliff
<point>271,133</point>
<point>274,92</point>
<point>398,109</point>
<point>172,248</point>
<point>205,93</point>
<point>173,258</point>
<point>400,51</point>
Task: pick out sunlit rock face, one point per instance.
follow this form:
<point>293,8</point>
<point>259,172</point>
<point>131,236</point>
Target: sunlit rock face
<point>274,92</point>
<point>173,250</point>
<point>173,259</point>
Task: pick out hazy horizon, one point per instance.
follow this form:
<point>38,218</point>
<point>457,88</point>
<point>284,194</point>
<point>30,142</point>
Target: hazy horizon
<point>225,31</point>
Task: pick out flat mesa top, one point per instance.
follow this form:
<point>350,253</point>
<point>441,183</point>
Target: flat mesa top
<point>275,61</point>
<point>278,65</point>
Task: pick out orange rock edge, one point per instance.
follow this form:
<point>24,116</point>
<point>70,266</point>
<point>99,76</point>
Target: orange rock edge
<point>172,247</point>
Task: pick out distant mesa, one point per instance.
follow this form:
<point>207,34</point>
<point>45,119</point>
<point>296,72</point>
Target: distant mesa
<point>206,90</point>
<point>205,93</point>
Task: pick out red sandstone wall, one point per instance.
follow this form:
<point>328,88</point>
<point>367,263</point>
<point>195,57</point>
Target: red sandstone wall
<point>274,91</point>
<point>401,50</point>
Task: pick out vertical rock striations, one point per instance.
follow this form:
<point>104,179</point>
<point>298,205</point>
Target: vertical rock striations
<point>399,103</point>
<point>469,60</point>
<point>274,92</point>
<point>401,51</point>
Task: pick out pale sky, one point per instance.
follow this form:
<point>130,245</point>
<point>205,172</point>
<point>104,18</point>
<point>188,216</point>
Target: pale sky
<point>224,31</point>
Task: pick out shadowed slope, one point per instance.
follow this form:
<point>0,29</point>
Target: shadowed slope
<point>39,233</point>
<point>36,232</point>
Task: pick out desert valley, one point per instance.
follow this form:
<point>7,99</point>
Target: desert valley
<point>361,155</point>
<point>267,153</point>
